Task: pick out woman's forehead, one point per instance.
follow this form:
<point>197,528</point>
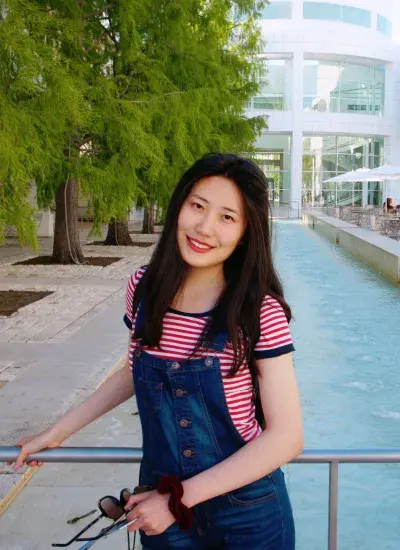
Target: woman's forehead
<point>219,191</point>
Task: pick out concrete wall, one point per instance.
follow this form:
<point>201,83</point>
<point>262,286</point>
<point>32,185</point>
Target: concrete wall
<point>381,253</point>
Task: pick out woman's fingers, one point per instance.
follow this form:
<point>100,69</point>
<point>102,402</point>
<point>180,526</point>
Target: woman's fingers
<point>35,464</point>
<point>26,450</point>
<point>21,458</point>
<point>136,525</point>
<point>150,532</point>
<point>32,444</point>
<point>136,499</point>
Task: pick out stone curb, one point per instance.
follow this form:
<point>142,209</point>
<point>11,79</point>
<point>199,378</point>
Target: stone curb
<point>27,476</point>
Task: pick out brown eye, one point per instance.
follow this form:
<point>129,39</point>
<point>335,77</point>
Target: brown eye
<point>197,206</point>
<point>228,218</point>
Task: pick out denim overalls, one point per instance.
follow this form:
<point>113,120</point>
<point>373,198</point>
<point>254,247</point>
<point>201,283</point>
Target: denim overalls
<point>187,428</point>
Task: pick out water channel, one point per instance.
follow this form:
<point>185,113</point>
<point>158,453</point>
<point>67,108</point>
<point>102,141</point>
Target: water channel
<point>346,331</point>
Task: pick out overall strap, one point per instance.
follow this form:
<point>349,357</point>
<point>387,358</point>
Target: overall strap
<point>219,341</point>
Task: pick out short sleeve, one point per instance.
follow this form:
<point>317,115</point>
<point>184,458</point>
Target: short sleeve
<point>130,292</point>
<point>275,338</point>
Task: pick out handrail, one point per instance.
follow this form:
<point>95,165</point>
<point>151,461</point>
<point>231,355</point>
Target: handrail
<point>308,456</point>
<point>134,455</point>
<point>280,204</point>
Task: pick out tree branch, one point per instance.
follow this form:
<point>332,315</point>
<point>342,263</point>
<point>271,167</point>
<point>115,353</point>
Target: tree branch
<point>95,151</point>
<point>83,142</point>
<point>99,12</point>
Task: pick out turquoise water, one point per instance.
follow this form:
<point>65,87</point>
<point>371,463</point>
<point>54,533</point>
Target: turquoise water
<point>347,337</point>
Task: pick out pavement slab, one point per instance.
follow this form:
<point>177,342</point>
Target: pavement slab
<point>58,492</point>
<point>53,354</point>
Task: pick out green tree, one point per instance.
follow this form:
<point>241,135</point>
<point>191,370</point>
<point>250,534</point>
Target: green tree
<point>209,59</point>
<point>178,79</point>
<point>130,94</point>
<point>41,103</point>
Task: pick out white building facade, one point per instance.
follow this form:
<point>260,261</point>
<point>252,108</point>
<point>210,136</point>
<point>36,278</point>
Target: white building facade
<point>332,98</point>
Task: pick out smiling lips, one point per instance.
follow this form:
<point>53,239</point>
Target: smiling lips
<point>198,246</point>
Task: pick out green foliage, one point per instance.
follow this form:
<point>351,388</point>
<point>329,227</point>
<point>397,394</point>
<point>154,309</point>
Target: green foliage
<point>122,95</point>
<point>41,103</point>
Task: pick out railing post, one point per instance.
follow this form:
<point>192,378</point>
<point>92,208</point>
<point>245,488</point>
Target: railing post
<point>333,505</point>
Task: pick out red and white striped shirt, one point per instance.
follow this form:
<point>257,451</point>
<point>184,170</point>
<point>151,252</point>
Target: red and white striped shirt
<point>181,332</point>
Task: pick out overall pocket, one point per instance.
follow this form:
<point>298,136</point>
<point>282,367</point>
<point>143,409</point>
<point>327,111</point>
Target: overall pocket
<point>149,394</point>
<point>254,493</point>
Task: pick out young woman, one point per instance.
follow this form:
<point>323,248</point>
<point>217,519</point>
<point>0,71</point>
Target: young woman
<point>210,352</point>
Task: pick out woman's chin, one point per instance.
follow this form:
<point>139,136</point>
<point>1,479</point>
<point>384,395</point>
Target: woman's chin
<point>194,259</point>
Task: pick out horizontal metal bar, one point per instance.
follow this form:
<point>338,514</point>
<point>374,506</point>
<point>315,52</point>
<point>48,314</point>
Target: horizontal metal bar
<point>130,454</point>
<point>78,454</point>
<point>348,456</point>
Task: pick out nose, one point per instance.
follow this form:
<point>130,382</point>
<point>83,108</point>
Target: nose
<point>205,225</point>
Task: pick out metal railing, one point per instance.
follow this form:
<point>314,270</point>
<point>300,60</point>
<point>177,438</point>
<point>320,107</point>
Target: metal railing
<point>134,455</point>
<point>292,208</point>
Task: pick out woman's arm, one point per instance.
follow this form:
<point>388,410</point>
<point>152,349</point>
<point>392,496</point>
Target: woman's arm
<point>278,444</point>
<point>114,391</point>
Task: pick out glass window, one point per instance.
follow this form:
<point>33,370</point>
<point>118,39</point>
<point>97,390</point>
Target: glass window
<point>356,16</point>
<point>318,10</point>
<point>272,93</point>
<point>277,10</point>
<point>384,25</point>
<point>273,157</point>
<point>378,90</point>
<point>375,196</point>
<point>327,156</point>
<point>337,12</point>
<point>343,87</point>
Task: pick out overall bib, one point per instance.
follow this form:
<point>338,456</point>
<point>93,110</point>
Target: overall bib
<point>187,428</point>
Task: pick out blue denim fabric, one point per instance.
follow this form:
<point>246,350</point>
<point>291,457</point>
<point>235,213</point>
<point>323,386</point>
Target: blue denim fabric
<point>187,428</point>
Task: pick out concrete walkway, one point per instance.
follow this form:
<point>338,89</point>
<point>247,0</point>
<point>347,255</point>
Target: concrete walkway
<point>43,372</point>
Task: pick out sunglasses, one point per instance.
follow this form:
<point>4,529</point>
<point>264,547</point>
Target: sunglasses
<point>111,508</point>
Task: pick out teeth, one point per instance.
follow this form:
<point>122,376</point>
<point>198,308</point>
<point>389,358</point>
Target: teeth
<point>202,246</point>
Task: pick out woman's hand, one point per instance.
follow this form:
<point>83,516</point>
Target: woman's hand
<point>152,512</point>
<point>34,443</point>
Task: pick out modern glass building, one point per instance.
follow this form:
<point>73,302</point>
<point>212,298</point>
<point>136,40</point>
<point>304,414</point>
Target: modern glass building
<point>330,95</point>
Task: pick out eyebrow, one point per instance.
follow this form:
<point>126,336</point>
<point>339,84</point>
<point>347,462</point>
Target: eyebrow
<point>224,207</point>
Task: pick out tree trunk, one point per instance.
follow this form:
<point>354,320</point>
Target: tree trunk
<point>67,247</point>
<point>118,234</point>
<point>149,219</point>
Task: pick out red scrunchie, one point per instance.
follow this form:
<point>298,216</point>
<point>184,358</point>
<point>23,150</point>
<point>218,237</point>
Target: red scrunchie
<point>183,515</point>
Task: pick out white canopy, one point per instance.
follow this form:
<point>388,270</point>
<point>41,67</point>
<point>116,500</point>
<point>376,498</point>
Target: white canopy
<point>386,172</point>
<point>362,174</point>
<point>383,173</point>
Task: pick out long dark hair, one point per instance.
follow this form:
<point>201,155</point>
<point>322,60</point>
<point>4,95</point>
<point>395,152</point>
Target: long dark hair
<point>249,272</point>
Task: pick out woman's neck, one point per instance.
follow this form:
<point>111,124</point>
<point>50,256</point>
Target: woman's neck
<point>200,291</point>
<point>204,277</point>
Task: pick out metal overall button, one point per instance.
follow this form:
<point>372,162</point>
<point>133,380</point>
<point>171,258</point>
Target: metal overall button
<point>180,393</point>
<point>208,361</point>
<point>138,351</point>
<point>184,423</point>
<point>187,453</point>
<point>175,365</point>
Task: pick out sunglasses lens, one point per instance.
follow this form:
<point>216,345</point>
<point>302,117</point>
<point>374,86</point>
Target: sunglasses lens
<point>125,496</point>
<point>111,508</point>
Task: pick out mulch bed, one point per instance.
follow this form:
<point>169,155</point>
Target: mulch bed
<point>48,260</point>
<point>134,243</point>
<point>12,300</point>
<point>157,231</point>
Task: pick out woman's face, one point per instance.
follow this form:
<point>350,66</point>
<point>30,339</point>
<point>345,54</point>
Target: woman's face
<point>211,222</point>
